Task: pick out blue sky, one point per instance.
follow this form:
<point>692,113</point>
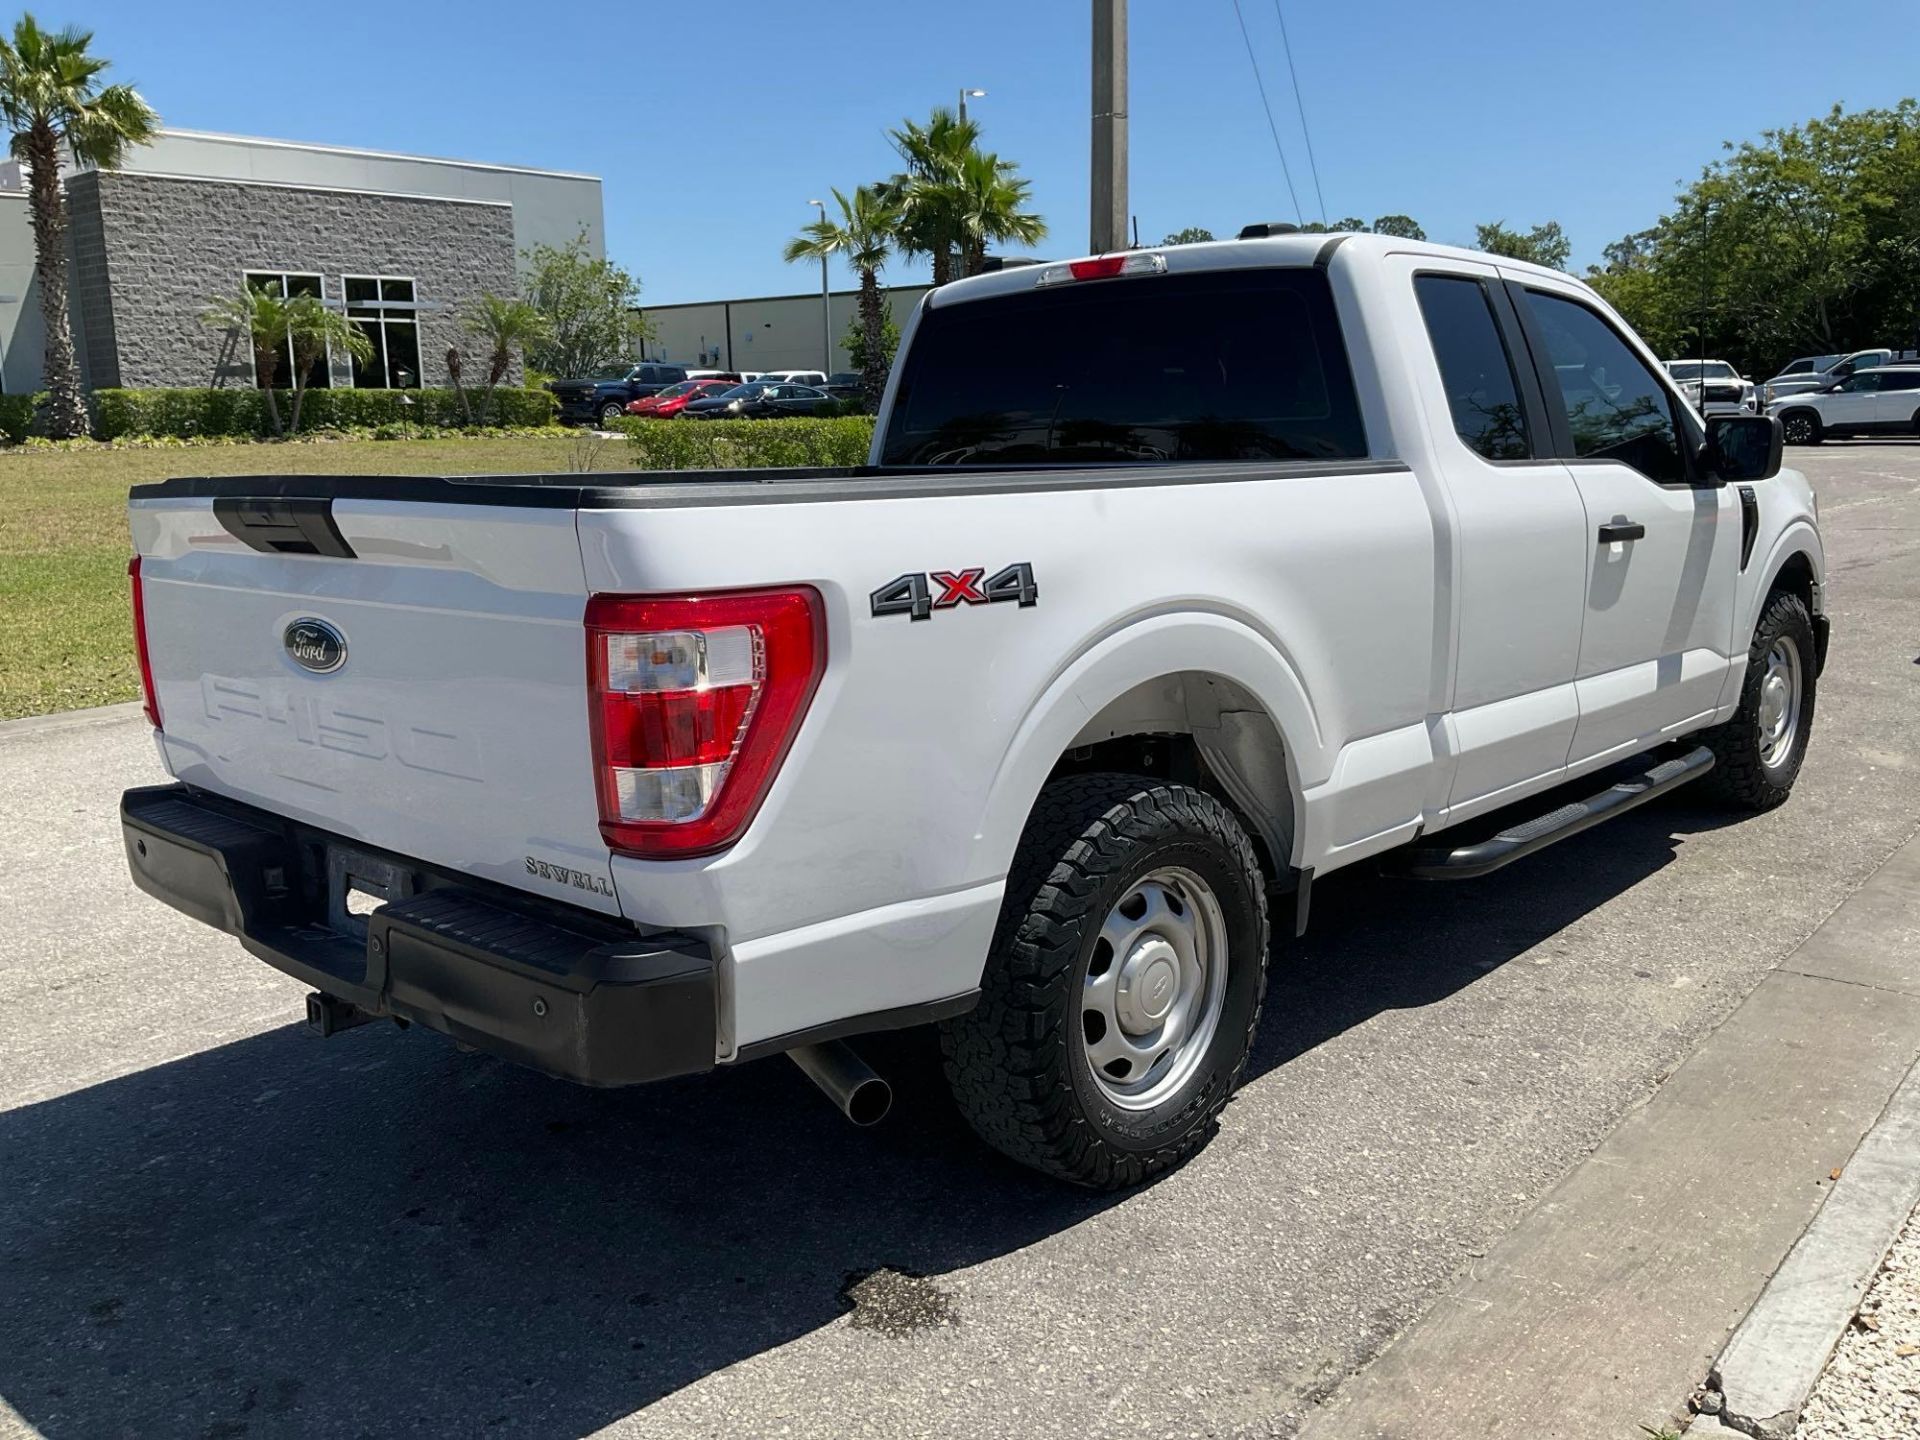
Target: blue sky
<point>713,123</point>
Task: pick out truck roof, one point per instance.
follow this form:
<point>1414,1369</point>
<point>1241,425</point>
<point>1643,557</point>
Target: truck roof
<point>1276,250</point>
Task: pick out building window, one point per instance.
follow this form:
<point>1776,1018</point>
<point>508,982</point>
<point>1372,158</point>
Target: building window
<point>285,285</point>
<point>382,307</point>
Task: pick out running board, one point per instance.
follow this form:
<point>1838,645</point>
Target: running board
<point>1467,862</point>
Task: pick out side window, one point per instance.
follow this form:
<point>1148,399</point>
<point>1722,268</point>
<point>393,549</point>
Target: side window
<point>1474,366</point>
<point>1615,407</point>
<point>1862,380</point>
<point>1900,380</point>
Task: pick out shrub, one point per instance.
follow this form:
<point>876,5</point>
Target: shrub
<point>241,411</point>
<point>748,444</point>
<point>17,415</point>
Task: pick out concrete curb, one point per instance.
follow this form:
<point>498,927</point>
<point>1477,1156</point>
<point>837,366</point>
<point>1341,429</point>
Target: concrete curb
<point>69,720</point>
<point>1770,1365</point>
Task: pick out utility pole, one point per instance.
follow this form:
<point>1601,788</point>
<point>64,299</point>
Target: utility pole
<point>1109,126</point>
<point>826,304</point>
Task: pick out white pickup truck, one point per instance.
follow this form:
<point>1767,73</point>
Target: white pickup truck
<point>1175,581</point>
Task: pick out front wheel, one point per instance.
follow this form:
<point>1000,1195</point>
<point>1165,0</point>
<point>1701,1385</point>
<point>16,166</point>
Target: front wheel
<point>1801,427</point>
<point>610,412</point>
<point>1118,1004</point>
<point>1757,754</point>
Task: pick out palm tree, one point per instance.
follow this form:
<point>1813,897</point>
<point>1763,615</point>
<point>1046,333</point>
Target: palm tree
<point>260,314</point>
<point>313,329</point>
<point>923,194</point>
<point>864,234</point>
<point>300,328</point>
<point>504,326</point>
<point>990,206</point>
<point>50,96</point>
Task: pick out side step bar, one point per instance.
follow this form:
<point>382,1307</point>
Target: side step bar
<point>1467,862</point>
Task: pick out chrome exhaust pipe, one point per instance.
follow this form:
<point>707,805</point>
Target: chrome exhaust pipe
<point>848,1081</point>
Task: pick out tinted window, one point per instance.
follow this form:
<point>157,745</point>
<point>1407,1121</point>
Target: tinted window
<point>1865,380</point>
<point>1900,380</point>
<point>1615,408</point>
<point>1474,366</point>
<point>1229,365</point>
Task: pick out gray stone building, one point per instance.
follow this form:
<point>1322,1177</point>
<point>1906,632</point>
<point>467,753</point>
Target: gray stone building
<point>402,242</point>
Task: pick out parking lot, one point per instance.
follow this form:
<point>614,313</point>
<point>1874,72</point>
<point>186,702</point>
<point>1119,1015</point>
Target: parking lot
<point>213,1224</point>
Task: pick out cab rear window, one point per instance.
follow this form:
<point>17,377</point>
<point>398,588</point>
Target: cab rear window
<point>1222,365</point>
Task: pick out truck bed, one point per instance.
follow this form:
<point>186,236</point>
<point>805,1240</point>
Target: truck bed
<point>668,489</point>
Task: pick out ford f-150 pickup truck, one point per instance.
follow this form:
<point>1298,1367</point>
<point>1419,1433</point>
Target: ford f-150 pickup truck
<point>1175,581</point>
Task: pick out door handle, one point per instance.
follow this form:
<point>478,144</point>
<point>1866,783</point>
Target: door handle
<point>1622,530</point>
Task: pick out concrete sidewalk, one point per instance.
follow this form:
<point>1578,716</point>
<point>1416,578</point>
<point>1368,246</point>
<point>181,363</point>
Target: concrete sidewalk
<point>1603,1309</point>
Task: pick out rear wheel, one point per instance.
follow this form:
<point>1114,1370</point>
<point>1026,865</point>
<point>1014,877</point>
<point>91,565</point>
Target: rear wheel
<point>1757,754</point>
<point>1801,427</point>
<point>1119,1001</point>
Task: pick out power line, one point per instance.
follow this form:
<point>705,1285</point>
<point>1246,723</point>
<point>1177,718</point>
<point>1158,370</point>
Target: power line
<point>1301,102</point>
<point>1272,128</point>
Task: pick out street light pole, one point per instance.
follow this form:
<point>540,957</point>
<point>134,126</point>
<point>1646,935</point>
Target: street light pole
<point>826,304</point>
<point>964,93</point>
<point>1109,126</point>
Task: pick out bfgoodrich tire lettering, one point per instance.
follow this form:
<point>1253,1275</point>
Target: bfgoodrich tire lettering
<point>1018,1063</point>
<point>1747,770</point>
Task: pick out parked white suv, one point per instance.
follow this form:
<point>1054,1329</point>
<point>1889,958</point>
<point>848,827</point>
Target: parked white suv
<point>1176,580</point>
<point>1713,386</point>
<point>1884,400</point>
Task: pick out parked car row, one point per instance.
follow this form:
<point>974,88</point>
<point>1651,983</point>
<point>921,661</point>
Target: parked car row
<point>1819,372</point>
<point>659,391</point>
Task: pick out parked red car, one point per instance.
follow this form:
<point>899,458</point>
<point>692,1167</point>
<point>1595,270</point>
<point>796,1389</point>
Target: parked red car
<point>670,401</point>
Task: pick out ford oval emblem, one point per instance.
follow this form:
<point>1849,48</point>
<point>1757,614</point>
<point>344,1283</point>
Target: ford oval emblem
<point>315,645</point>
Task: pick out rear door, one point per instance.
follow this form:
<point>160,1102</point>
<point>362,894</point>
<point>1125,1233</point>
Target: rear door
<point>412,676</point>
<point>1898,408</point>
<point>1663,553</point>
<point>1520,531</point>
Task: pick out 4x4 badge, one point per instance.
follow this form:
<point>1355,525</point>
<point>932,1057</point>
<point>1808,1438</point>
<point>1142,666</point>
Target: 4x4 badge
<point>912,594</point>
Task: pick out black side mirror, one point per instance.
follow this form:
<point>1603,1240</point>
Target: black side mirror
<point>1743,447</point>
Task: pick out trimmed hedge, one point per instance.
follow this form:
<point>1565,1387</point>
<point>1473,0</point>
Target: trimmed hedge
<point>240,411</point>
<point>17,415</point>
<point>749,444</point>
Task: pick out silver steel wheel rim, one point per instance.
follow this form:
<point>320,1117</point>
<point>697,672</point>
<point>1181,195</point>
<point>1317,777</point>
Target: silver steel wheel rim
<point>1154,988</point>
<point>1780,691</point>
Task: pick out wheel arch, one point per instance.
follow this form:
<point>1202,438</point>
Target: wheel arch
<point>1206,681</point>
<point>1796,563</point>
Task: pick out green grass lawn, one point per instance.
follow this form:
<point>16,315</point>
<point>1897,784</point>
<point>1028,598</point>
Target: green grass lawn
<point>66,637</point>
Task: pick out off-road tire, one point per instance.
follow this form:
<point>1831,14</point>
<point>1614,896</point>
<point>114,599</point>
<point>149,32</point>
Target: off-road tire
<point>1016,1064</point>
<point>1739,775</point>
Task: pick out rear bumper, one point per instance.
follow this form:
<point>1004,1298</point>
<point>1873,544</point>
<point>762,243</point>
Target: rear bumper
<point>562,991</point>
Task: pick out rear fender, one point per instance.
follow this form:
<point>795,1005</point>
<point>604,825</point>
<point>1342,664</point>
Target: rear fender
<point>1142,652</point>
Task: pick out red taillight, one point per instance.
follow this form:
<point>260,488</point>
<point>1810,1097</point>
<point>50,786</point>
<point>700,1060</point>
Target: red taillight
<point>148,695</point>
<point>694,702</point>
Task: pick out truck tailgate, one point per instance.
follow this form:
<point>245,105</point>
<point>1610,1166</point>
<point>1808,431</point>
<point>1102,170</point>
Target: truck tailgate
<point>412,675</point>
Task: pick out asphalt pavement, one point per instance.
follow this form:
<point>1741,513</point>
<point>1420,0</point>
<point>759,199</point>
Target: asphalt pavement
<point>213,1224</point>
